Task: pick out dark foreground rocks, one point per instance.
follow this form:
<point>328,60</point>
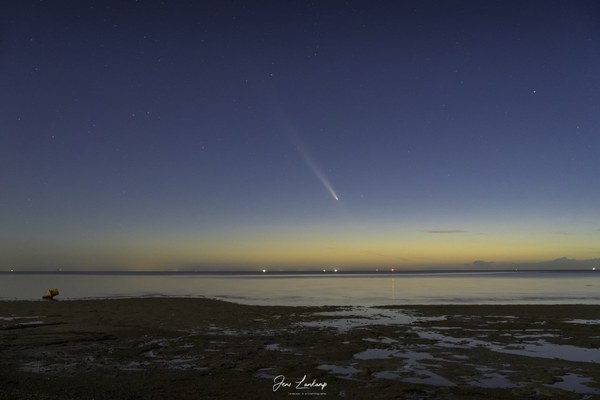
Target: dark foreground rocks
<point>183,348</point>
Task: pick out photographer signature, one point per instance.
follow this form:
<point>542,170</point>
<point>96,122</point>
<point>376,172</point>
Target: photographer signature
<point>302,384</point>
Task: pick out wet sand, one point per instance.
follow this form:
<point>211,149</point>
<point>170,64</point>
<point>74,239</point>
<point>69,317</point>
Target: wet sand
<point>183,348</point>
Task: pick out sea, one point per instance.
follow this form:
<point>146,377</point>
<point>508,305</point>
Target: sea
<point>317,289</point>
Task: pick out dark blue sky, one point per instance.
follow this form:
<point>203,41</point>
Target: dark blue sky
<point>147,134</point>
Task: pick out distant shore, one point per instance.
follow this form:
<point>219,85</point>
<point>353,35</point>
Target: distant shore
<point>192,348</point>
<point>331,271</point>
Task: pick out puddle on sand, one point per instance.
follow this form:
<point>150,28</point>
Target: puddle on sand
<point>583,321</point>
<point>182,363</point>
<point>276,347</point>
<point>265,373</point>
<point>429,378</point>
<point>491,380</point>
<point>561,351</point>
<point>413,371</point>
<point>419,376</point>
<point>383,340</point>
<point>356,317</point>
<point>30,323</point>
<point>389,375</point>
<point>539,348</point>
<point>342,372</point>
<point>490,377</point>
<point>375,354</point>
<point>14,318</point>
<point>378,354</point>
<point>575,383</point>
<point>132,366</point>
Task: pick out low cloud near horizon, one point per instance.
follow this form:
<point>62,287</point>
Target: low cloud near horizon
<point>445,231</point>
<point>561,262</point>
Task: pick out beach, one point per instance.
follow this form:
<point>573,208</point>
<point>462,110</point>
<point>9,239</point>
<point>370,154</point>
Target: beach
<point>199,348</point>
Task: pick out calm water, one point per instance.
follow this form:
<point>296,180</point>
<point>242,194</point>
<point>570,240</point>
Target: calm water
<point>312,289</point>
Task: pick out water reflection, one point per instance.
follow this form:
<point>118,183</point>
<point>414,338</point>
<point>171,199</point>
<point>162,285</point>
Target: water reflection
<point>365,289</point>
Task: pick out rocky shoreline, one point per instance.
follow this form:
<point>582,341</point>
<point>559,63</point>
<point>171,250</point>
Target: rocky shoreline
<point>196,348</point>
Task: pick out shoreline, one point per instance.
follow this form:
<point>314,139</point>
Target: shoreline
<point>315,290</point>
<point>229,300</point>
<point>190,348</point>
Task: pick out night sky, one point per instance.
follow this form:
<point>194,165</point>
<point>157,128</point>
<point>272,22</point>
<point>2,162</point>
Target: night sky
<point>297,134</point>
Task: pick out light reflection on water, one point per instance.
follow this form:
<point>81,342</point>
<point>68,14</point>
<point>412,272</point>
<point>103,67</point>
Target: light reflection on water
<point>338,289</point>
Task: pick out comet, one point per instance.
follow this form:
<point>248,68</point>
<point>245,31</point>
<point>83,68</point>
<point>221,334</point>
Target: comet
<point>314,167</point>
<point>318,173</point>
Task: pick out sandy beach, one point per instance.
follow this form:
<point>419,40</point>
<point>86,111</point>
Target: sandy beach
<point>195,348</point>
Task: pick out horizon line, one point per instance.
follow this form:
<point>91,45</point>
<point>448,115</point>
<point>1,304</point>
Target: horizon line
<point>261,272</point>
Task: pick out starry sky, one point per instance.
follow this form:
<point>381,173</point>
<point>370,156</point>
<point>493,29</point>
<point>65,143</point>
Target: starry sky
<point>298,134</point>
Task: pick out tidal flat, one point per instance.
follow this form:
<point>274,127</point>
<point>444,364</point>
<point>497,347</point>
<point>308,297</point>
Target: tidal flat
<point>198,348</point>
